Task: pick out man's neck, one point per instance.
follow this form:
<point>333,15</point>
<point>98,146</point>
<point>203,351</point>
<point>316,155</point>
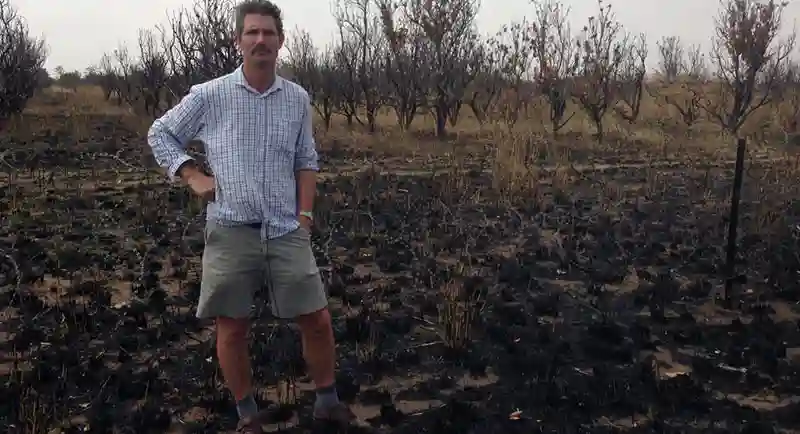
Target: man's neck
<point>259,77</point>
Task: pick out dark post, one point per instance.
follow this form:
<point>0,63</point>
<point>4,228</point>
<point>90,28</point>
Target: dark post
<point>733,222</point>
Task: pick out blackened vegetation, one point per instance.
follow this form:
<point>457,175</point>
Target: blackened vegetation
<point>582,310</point>
<point>22,59</point>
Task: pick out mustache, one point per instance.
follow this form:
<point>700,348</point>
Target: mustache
<point>260,49</point>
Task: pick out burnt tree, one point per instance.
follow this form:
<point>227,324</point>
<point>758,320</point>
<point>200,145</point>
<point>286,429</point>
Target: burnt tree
<point>22,58</point>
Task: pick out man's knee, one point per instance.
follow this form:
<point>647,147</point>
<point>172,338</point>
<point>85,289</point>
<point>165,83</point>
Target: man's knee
<point>315,322</point>
<point>232,330</point>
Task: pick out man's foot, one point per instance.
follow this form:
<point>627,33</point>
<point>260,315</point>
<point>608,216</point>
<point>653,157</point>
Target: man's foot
<point>250,425</point>
<point>269,416</point>
<point>339,415</point>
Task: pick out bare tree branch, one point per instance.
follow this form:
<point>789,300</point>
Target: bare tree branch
<point>749,59</point>
<point>511,52</point>
<point>449,28</point>
<point>631,79</point>
<point>22,58</point>
<point>314,70</point>
<point>680,69</point>
<point>602,54</point>
<point>408,66</point>
<point>360,25</point>
<point>672,56</point>
<point>558,56</point>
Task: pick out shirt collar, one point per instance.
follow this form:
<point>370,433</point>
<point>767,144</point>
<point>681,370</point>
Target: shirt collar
<point>239,79</point>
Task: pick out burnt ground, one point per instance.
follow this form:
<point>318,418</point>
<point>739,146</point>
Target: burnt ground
<point>589,305</point>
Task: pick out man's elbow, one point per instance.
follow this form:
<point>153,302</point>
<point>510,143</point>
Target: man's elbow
<point>156,133</point>
<point>306,157</point>
<point>167,152</point>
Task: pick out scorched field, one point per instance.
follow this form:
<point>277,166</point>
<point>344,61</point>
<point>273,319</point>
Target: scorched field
<point>589,303</point>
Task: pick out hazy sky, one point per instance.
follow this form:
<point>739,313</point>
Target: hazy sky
<point>78,32</point>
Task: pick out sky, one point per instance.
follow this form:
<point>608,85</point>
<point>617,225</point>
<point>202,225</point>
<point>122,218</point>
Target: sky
<point>79,32</point>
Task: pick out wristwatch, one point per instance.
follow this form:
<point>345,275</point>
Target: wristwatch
<point>307,214</point>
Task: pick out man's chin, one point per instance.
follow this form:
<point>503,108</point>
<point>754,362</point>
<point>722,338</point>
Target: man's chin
<point>262,62</point>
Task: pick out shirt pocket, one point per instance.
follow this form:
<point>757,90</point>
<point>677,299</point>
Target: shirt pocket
<point>283,135</point>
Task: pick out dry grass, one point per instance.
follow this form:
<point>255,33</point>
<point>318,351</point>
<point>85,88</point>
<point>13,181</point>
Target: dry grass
<point>516,153</point>
<point>525,161</point>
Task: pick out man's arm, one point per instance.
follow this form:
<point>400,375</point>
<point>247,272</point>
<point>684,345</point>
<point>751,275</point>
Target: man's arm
<point>306,164</point>
<point>169,134</point>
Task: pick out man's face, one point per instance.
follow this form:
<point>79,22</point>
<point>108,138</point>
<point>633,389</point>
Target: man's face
<point>260,40</point>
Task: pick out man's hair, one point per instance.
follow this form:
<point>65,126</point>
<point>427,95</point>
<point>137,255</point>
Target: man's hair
<point>257,7</point>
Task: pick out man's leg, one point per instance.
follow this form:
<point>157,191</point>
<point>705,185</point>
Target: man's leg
<point>234,360</point>
<point>296,292</point>
<point>319,348</point>
<point>232,272</point>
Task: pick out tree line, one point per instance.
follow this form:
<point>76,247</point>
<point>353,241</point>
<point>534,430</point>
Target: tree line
<point>417,57</point>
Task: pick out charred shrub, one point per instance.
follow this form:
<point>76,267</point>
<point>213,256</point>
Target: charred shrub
<point>21,60</point>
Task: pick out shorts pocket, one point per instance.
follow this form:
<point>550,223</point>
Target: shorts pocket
<point>304,232</point>
<point>208,231</point>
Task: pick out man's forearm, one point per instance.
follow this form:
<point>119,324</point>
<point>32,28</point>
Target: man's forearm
<point>306,190</point>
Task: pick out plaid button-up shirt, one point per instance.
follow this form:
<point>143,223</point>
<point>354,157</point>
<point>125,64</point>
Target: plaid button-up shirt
<point>254,142</point>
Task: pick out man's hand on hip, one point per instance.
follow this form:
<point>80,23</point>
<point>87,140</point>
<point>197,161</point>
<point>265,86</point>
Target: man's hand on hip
<point>202,185</point>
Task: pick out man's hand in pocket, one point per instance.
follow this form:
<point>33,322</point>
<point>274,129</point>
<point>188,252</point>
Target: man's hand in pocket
<point>305,222</point>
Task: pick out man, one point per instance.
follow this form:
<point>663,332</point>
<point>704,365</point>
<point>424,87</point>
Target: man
<point>256,127</point>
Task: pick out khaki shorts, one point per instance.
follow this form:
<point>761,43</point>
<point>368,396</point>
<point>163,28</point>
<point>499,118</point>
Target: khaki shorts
<point>236,264</point>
